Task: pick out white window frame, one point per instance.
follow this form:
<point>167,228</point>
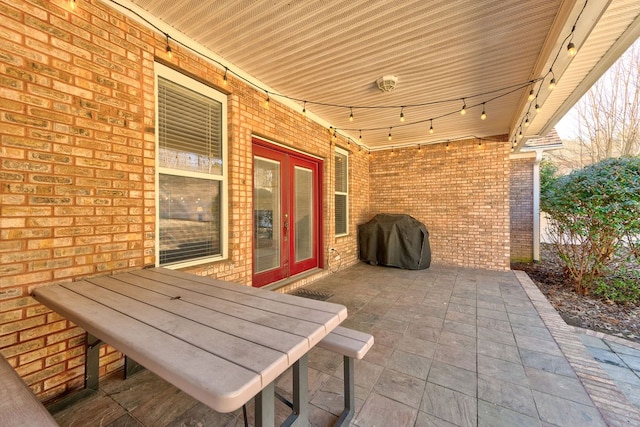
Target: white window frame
<point>344,153</point>
<point>181,79</point>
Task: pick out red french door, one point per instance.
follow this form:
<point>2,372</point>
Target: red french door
<point>286,213</point>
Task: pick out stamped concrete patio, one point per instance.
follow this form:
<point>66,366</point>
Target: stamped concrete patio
<point>454,347</point>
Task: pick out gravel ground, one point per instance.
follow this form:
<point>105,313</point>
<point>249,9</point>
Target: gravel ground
<point>622,320</point>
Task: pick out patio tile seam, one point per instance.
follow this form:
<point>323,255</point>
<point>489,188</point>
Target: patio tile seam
<point>579,357</point>
<point>608,337</point>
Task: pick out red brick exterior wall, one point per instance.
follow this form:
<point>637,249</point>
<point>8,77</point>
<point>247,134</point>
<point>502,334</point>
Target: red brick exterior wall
<point>461,194</point>
<point>521,202</point>
<point>77,176</point>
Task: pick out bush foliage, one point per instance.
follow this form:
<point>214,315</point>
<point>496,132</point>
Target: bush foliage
<point>594,218</point>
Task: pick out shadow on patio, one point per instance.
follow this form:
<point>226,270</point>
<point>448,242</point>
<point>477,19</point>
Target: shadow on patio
<point>453,347</point>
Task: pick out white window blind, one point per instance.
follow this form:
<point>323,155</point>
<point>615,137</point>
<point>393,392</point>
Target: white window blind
<point>191,173</point>
<point>341,192</point>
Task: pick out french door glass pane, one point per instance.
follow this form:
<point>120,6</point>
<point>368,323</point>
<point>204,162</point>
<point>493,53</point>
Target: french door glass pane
<point>303,204</point>
<point>266,205</point>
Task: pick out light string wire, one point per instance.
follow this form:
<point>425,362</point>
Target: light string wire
<point>334,131</point>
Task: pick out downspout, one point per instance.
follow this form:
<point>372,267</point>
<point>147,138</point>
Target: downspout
<point>536,206</point>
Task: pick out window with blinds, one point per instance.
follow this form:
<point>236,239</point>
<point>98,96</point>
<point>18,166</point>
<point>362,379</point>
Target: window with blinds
<point>341,192</point>
<point>190,170</point>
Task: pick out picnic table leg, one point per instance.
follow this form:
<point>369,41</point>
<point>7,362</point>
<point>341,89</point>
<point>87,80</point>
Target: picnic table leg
<point>349,392</point>
<point>300,416</point>
<point>92,363</point>
<point>265,407</point>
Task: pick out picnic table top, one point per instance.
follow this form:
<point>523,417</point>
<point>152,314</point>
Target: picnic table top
<point>220,342</point>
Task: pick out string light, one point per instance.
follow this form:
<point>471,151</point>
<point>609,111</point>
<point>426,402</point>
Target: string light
<point>531,95</point>
<point>571,49</point>
<point>431,127</point>
<point>483,116</point>
<point>520,135</point>
<point>304,108</point>
<point>419,147</point>
<point>446,147</point>
<point>552,83</point>
<point>351,114</point>
<point>360,137</point>
<point>224,78</point>
<point>72,4</point>
<point>526,121</point>
<point>463,111</point>
<point>168,48</point>
<point>389,134</point>
<point>266,101</point>
<point>538,108</point>
<point>402,114</point>
<point>479,143</point>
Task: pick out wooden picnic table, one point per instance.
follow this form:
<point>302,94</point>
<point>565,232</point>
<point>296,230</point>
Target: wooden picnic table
<point>220,342</point>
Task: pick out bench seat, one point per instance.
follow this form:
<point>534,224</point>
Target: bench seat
<point>351,345</point>
<point>18,405</point>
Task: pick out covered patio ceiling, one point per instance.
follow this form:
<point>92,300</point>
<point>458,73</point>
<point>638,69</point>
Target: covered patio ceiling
<point>325,57</point>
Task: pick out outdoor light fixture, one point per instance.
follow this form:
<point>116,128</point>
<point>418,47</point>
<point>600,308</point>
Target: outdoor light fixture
<point>387,83</point>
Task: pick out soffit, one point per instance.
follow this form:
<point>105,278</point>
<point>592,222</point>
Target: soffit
<point>333,52</point>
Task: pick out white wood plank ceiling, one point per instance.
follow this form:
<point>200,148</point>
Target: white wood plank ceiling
<point>441,51</point>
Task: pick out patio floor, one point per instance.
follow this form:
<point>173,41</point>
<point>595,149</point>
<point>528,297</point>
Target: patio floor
<point>453,346</point>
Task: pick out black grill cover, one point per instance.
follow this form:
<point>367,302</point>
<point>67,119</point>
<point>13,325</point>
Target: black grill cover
<point>394,240</point>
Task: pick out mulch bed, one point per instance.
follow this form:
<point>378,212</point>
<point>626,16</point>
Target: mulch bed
<point>588,312</point>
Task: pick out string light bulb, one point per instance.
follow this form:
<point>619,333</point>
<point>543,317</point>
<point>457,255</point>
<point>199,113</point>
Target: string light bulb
<point>552,82</point>
<point>266,101</point>
<point>402,114</point>
<point>446,147</point>
<point>531,95</point>
<point>483,116</point>
<point>571,49</point>
<point>351,114</point>
<point>389,134</point>
<point>526,121</point>
<point>431,127</point>
<point>168,47</point>
<point>224,78</point>
<point>304,108</point>
<point>538,108</point>
<point>72,4</point>
<point>360,137</point>
<point>520,135</point>
<point>463,111</point>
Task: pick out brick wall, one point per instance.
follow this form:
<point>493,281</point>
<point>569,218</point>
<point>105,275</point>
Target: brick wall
<point>77,164</point>
<point>521,202</point>
<point>461,194</point>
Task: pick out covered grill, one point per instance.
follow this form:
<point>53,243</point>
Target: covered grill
<point>394,240</point>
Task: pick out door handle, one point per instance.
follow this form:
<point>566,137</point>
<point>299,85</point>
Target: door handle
<point>286,227</point>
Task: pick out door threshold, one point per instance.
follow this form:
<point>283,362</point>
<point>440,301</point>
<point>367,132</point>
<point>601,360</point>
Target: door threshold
<point>289,280</point>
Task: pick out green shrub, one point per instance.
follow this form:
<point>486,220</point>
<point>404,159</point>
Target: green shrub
<point>594,217</point>
<point>622,286</point>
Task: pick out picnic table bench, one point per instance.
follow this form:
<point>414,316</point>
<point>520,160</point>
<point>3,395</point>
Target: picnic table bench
<point>19,407</point>
<point>222,343</point>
